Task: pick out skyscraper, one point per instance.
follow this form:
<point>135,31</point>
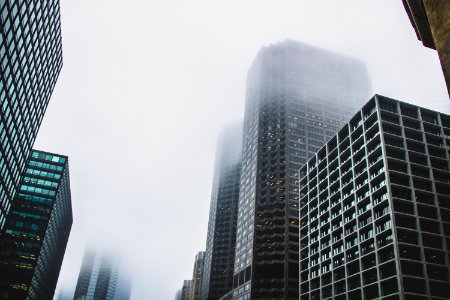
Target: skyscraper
<point>197,275</point>
<point>375,207</point>
<point>102,277</point>
<point>37,229</point>
<point>31,59</point>
<point>221,238</point>
<point>297,97</point>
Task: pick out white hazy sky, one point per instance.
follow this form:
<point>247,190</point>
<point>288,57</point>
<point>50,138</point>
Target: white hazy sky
<point>146,87</point>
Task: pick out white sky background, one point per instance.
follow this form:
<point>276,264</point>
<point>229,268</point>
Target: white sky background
<point>146,87</point>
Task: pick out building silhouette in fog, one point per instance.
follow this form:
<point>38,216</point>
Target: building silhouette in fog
<point>221,238</point>
<point>102,277</point>
<point>297,97</point>
<point>375,207</point>
<point>31,59</point>
<point>37,229</point>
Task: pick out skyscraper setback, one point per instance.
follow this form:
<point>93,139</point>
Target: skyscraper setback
<point>30,59</point>
<point>221,238</point>
<point>297,97</point>
<point>34,239</point>
<point>375,207</point>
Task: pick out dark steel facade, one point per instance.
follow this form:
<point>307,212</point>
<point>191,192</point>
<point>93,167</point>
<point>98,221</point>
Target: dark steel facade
<point>30,62</point>
<point>34,239</point>
<point>298,96</point>
<point>221,238</point>
<point>375,207</point>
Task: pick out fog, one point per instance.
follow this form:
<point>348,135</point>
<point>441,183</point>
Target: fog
<point>146,88</point>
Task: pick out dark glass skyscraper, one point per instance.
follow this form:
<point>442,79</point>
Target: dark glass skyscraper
<point>30,62</point>
<point>221,238</point>
<point>297,97</point>
<point>102,277</point>
<point>37,229</point>
<point>375,207</point>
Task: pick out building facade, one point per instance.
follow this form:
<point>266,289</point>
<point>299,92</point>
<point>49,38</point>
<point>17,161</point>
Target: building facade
<point>34,239</point>
<point>431,22</point>
<point>375,207</point>
<point>197,275</point>
<point>30,59</point>
<point>102,277</point>
<point>221,237</point>
<point>185,293</point>
<point>297,97</point>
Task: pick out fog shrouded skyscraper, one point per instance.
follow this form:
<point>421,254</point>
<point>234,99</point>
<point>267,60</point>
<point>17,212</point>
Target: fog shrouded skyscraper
<point>102,277</point>
<point>297,97</point>
<point>221,238</point>
<point>375,207</point>
<point>30,62</point>
<point>34,239</point>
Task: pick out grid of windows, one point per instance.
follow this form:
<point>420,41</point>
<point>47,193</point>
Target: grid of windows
<point>37,229</point>
<point>30,61</point>
<point>221,239</point>
<point>374,218</point>
<point>287,103</point>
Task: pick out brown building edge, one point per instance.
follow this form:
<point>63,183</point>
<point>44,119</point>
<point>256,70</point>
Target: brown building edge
<point>431,21</point>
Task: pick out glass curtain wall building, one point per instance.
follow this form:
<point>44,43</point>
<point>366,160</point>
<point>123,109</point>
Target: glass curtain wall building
<point>34,239</point>
<point>375,207</point>
<point>102,277</point>
<point>221,238</point>
<point>297,97</point>
<point>30,59</point>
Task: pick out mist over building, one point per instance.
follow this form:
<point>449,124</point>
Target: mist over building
<point>34,239</point>
<point>102,277</point>
<point>221,237</point>
<point>297,97</point>
<point>375,207</point>
<point>30,66</point>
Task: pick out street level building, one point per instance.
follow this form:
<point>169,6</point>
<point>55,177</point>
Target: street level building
<point>30,62</point>
<point>375,207</point>
<point>34,239</point>
<point>221,238</point>
<point>297,97</point>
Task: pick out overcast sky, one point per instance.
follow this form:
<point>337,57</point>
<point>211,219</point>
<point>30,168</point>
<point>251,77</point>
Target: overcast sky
<point>146,87</point>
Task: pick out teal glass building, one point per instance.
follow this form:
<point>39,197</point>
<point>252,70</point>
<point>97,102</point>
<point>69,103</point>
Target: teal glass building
<point>37,229</point>
<point>30,62</point>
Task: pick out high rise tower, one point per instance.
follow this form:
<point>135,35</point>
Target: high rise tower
<point>30,62</point>
<point>37,229</point>
<point>221,239</point>
<point>375,207</point>
<point>297,97</point>
<point>102,277</point>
